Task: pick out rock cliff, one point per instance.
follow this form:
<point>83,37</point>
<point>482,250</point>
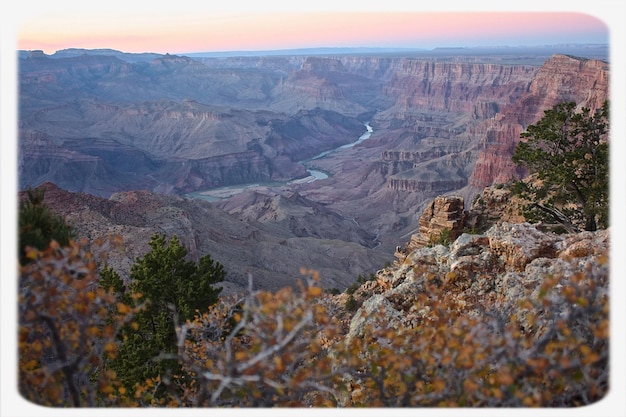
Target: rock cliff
<point>443,218</point>
<point>424,146</point>
<point>562,78</point>
<point>476,90</point>
<point>484,106</point>
<point>442,124</point>
<point>174,109</point>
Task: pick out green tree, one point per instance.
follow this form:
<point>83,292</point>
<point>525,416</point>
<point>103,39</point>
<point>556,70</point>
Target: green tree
<point>567,154</point>
<point>351,304</point>
<point>38,225</point>
<point>172,289</point>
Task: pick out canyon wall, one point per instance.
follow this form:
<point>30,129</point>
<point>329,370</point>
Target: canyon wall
<point>480,108</point>
<point>561,79</point>
<point>477,90</point>
<point>176,108</point>
<point>176,125</point>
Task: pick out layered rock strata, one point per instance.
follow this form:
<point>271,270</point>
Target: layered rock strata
<point>273,254</point>
<point>562,78</point>
<point>442,218</point>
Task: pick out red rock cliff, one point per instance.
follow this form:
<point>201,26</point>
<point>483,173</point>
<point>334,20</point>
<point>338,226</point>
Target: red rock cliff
<point>562,78</point>
<point>477,89</point>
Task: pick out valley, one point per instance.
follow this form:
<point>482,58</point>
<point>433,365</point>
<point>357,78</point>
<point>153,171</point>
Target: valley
<point>216,194</point>
<point>273,163</point>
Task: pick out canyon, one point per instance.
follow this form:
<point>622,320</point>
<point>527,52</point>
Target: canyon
<point>141,135</point>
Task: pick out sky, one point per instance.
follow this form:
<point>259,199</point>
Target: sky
<point>239,30</point>
<point>183,26</point>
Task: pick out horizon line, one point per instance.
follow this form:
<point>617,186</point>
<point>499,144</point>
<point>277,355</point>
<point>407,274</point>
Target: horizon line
<point>327,48</point>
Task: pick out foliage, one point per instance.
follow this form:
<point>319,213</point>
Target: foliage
<point>351,303</point>
<point>352,288</point>
<point>549,350</point>
<point>173,288</point>
<point>568,154</point>
<point>360,280</point>
<point>38,226</point>
<point>67,331</point>
<point>473,230</point>
<point>546,349</point>
<point>444,238</point>
<point>332,291</point>
<point>273,355</point>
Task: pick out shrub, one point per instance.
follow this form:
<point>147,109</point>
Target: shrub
<point>172,288</point>
<point>567,153</point>
<point>547,351</point>
<point>67,330</point>
<point>273,356</point>
<point>351,304</point>
<point>444,238</point>
<point>38,226</point>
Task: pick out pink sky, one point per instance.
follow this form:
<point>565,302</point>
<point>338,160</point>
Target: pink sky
<point>223,31</point>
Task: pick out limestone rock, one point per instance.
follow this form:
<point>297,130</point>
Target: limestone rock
<point>445,214</point>
<point>518,244</point>
<point>561,78</point>
<point>490,271</point>
<point>494,204</point>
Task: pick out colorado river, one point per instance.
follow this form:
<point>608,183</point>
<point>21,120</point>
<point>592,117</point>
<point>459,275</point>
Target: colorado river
<point>319,175</point>
<point>361,138</point>
<point>215,194</point>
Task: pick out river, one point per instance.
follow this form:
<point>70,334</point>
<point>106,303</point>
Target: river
<point>319,175</point>
<point>216,194</point>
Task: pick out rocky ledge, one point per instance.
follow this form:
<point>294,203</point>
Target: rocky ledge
<point>484,272</point>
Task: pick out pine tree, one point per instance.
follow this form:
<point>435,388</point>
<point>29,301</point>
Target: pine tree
<point>172,289</point>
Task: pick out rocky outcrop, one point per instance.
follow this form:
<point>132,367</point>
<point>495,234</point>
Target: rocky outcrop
<point>442,218</point>
<point>567,78</point>
<point>495,204</point>
<point>484,272</point>
<point>445,217</point>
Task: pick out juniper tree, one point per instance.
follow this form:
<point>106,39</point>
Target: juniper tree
<point>38,225</point>
<point>171,289</point>
<point>567,154</point>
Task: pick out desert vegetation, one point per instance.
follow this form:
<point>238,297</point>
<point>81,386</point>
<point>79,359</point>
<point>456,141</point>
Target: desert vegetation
<point>38,226</point>
<point>288,348</point>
